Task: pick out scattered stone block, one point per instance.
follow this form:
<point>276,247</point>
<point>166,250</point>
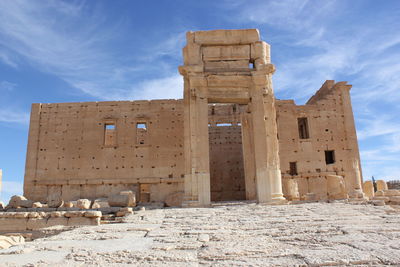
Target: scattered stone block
<point>68,204</point>
<point>100,203</point>
<point>109,210</point>
<point>381,185</point>
<point>37,205</point>
<point>124,212</point>
<point>19,202</point>
<point>83,204</point>
<point>368,188</point>
<point>123,199</point>
<point>54,201</point>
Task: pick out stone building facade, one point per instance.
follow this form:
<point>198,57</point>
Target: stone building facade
<point>227,139</point>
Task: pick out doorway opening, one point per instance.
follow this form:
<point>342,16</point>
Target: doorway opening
<point>227,180</point>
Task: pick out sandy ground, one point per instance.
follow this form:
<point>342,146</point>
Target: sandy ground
<point>232,234</point>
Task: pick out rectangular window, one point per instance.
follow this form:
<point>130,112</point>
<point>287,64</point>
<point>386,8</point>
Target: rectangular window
<point>141,133</point>
<point>303,128</point>
<point>293,168</point>
<point>330,156</point>
<point>109,134</point>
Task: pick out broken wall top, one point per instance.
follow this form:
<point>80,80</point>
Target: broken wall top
<point>224,37</point>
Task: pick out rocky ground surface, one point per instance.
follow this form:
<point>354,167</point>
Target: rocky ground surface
<point>231,234</point>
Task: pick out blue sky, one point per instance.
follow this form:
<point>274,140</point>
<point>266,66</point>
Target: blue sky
<point>65,51</point>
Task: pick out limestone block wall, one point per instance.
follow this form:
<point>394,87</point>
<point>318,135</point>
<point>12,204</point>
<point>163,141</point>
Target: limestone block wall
<point>96,149</point>
<point>29,221</point>
<point>328,145</point>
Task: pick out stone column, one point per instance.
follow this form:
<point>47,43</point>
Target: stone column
<point>197,168</point>
<point>266,146</point>
<point>248,155</point>
<point>354,175</point>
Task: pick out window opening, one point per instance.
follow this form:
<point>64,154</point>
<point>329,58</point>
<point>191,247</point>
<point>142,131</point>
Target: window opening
<point>223,124</point>
<point>141,133</point>
<point>303,128</point>
<point>109,134</point>
<point>293,168</point>
<point>330,156</point>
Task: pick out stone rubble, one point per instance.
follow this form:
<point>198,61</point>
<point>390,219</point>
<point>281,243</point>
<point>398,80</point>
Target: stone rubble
<point>228,234</point>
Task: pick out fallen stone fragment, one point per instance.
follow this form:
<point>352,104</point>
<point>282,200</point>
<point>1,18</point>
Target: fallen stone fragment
<point>54,201</point>
<point>37,205</point>
<point>203,238</point>
<point>19,202</point>
<point>83,204</point>
<point>9,241</point>
<point>123,199</point>
<point>100,203</point>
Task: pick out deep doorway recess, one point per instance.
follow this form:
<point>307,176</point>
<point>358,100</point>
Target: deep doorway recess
<point>227,180</point>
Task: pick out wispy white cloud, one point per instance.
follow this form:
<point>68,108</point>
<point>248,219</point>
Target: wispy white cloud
<point>12,116</point>
<point>378,126</point>
<point>81,56</point>
<point>7,59</point>
<point>7,86</point>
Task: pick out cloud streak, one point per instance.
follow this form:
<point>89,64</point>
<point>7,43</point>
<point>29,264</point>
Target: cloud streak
<point>81,56</point>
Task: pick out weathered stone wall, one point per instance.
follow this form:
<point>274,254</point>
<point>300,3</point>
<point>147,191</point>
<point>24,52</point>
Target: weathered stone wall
<point>161,147</point>
<point>226,163</point>
<point>28,221</point>
<point>68,153</point>
<point>72,151</point>
<point>330,128</point>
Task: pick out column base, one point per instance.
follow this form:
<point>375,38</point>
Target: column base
<point>275,201</point>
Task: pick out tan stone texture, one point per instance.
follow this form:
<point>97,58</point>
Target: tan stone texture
<point>381,185</point>
<point>368,188</point>
<point>9,241</point>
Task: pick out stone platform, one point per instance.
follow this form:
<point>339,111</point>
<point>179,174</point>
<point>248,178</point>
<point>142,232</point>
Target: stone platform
<point>228,234</point>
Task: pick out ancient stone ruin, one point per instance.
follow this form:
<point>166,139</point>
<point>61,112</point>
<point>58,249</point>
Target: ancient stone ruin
<point>229,138</point>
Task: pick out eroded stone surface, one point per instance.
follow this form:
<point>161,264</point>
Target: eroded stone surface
<point>241,234</point>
